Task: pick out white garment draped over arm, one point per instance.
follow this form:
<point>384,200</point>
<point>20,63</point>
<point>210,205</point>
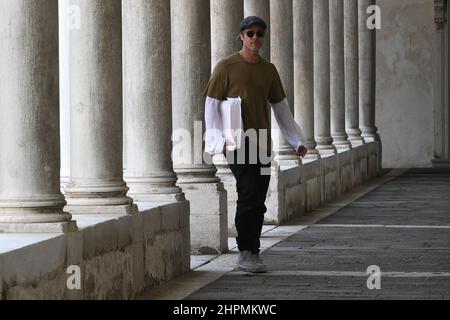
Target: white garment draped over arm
<point>290,129</point>
<point>214,140</point>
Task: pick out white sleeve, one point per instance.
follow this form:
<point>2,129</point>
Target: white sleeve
<point>214,140</point>
<point>290,129</point>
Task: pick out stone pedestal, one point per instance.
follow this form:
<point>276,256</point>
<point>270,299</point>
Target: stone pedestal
<point>208,221</point>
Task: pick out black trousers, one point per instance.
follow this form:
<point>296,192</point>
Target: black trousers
<point>251,186</point>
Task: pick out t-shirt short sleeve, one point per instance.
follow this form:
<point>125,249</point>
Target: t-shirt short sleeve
<point>218,83</point>
<point>276,92</point>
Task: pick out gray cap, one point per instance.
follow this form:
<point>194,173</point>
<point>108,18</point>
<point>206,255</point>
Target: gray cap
<point>247,22</point>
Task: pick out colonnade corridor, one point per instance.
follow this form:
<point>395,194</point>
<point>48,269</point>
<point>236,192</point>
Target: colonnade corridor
<point>108,190</point>
<point>401,225</point>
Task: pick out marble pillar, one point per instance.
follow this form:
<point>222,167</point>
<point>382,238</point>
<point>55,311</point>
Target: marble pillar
<point>260,8</point>
<point>337,79</point>
<point>30,197</point>
<point>148,101</point>
<point>351,36</point>
<point>304,73</point>
<point>321,27</point>
<point>281,55</point>
<point>96,165</point>
<point>367,55</point>
<point>225,19</point>
<point>441,157</point>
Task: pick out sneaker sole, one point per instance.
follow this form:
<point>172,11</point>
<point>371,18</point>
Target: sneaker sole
<point>251,270</point>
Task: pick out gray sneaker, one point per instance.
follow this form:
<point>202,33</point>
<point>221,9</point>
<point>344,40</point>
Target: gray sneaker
<point>249,262</point>
<point>261,266</point>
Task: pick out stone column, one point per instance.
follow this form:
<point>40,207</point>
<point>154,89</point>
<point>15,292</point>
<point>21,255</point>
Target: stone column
<point>64,89</point>
<point>260,8</point>
<point>96,170</point>
<point>30,196</point>
<point>191,70</point>
<point>304,72</point>
<point>367,56</point>
<point>337,84</point>
<point>225,19</point>
<point>281,55</point>
<point>351,72</point>
<point>321,31</point>
<point>441,157</point>
<point>148,101</point>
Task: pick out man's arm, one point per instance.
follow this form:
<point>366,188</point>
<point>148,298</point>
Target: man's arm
<point>290,129</point>
<point>214,140</point>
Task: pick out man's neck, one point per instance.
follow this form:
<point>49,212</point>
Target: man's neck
<point>249,56</point>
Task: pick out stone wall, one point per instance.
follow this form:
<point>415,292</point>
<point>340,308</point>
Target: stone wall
<point>296,190</point>
<point>404,93</point>
<point>119,256</point>
<point>304,188</point>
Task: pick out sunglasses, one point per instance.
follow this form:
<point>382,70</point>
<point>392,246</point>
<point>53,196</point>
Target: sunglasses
<point>251,34</point>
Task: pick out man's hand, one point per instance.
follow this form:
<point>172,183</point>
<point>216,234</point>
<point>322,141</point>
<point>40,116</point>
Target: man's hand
<point>301,152</point>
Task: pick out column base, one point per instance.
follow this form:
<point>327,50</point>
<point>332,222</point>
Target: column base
<point>369,134</point>
<point>286,156</point>
<point>342,146</point>
<point>158,197</point>
<point>113,209</point>
<point>440,163</point>
<point>288,162</point>
<point>327,151</point>
<point>312,155</point>
<point>357,142</point>
<point>371,138</point>
<point>340,141</point>
<point>54,227</point>
<point>202,173</point>
<point>159,187</point>
<point>354,137</point>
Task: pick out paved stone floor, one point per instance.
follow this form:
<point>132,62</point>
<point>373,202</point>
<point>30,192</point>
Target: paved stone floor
<point>403,227</point>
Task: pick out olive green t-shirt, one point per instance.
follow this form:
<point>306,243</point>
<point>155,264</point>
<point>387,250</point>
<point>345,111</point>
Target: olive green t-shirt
<point>255,83</point>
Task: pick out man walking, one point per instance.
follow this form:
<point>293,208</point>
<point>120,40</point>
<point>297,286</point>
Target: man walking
<point>246,75</point>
